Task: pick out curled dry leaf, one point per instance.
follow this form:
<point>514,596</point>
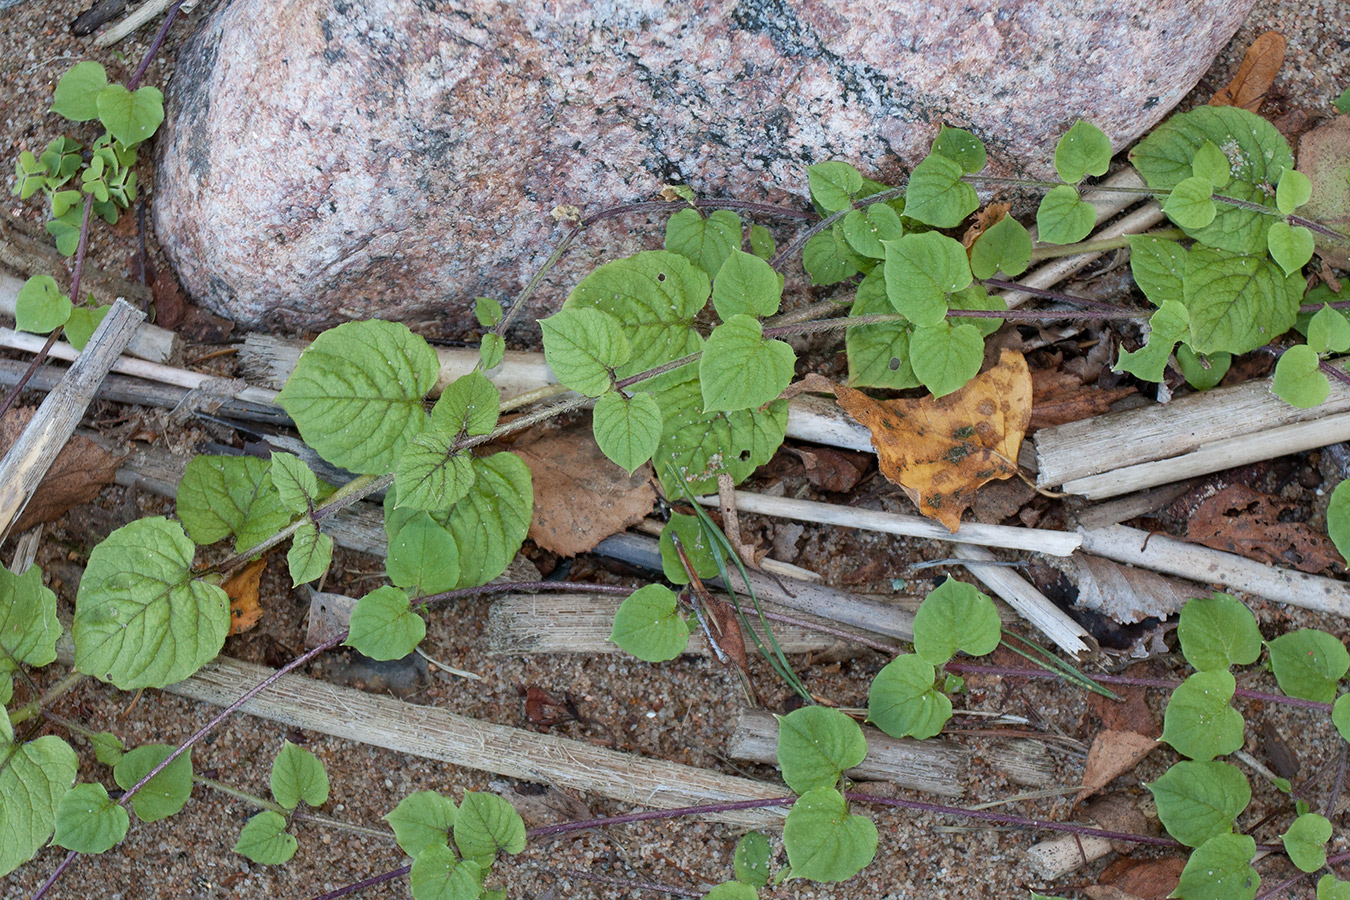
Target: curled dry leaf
<point>1146,879</point>
<point>1126,594</point>
<point>242,588</point>
<point>1247,522</point>
<point>984,220</point>
<point>78,473</point>
<point>830,469</point>
<point>940,450</point>
<point>580,497</point>
<point>1255,75</point>
<point>1112,754</point>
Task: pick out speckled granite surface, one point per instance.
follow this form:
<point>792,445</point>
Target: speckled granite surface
<point>396,158</point>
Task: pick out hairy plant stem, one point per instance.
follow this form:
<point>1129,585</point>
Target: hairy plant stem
<point>81,251</point>
<point>297,815</point>
<point>1164,683</point>
<point>509,587</point>
<point>200,733</point>
<point>49,696</point>
<point>1332,370</point>
<point>155,45</point>
<point>531,397</point>
<point>1086,302</point>
<point>1276,889</point>
<point>795,246</point>
<point>1100,245</point>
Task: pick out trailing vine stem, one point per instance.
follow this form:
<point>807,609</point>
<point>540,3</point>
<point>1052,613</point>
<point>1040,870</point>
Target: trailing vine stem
<point>794,247</point>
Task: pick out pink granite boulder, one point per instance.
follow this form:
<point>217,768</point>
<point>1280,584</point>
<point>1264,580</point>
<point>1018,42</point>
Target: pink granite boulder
<point>326,160</point>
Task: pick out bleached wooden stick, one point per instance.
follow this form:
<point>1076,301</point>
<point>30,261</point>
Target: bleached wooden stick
<point>933,766</point>
<point>33,452</point>
<point>1037,540</point>
<point>431,733</point>
<point>1023,596</point>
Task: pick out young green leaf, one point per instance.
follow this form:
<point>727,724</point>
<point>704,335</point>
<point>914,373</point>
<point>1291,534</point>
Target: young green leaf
<point>76,95</point>
<point>955,616</point>
<point>1340,715</point>
<point>1198,800</point>
<point>1158,267</point>
<point>141,619</point>
<point>40,307</point>
<point>37,775</point>
<point>697,443</point>
<point>421,820</point>
<point>88,821</point>
<point>131,116</point>
<point>1166,327</point>
<point>655,295</point>
<point>491,352</point>
<point>1191,203</point>
<point>828,258</point>
<point>1064,218</point>
<point>108,748</point>
<point>487,311</point>
<point>383,625</point>
<point>834,185</point>
<point>423,556</point>
<point>371,376</point>
<point>167,792</point>
<point>705,242</point>
<point>1220,869</point>
<point>742,370</point>
<point>298,775</point>
<point>815,745</point>
<point>1237,303</point>
<point>1217,632</point>
<point>1210,164</point>
<point>824,841</point>
<point>485,824</point>
<point>921,270</point>
<point>1202,375</point>
<point>1199,722</point>
<point>1306,841</point>
<point>1294,190</point>
<point>1308,663</point>
<point>1257,155</point>
<point>1004,246</point>
<point>29,628</point>
<point>1299,379</point>
<point>470,404</point>
<point>310,555</point>
<point>437,874</point>
<point>1329,331</point>
<point>1083,150</point>
<point>697,549</point>
<point>944,357</point>
<point>297,488</point>
<point>432,474</point>
<point>936,195</point>
<point>752,859</point>
<point>627,429</point>
<point>264,840</point>
<point>1338,518</point>
<point>962,147</point>
<point>648,625</point>
<point>868,229</point>
<point>1290,246</point>
<point>82,324</point>
<point>878,355</point>
<point>582,347</point>
<point>761,242</point>
<point>1329,887</point>
<point>221,496</point>
<point>902,701</point>
<point>490,523</point>
<point>746,285</point>
<point>732,890</point>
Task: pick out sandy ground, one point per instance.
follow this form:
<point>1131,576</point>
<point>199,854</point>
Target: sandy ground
<point>680,711</point>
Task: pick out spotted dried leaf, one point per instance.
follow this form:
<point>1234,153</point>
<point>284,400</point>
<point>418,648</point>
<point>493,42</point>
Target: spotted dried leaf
<point>78,473</point>
<point>1241,520</point>
<point>1255,75</point>
<point>940,450</point>
<point>242,587</point>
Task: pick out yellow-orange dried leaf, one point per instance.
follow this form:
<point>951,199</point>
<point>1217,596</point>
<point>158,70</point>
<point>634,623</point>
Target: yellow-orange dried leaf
<point>242,588</point>
<point>1251,84</point>
<point>984,220</point>
<point>940,450</point>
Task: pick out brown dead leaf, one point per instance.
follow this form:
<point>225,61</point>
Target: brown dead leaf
<point>1059,396</point>
<point>1147,879</point>
<point>242,588</point>
<point>170,307</point>
<point>1255,75</point>
<point>78,473</point>
<point>580,497</point>
<point>940,450</point>
<point>1131,715</point>
<point>1112,754</point>
<point>984,220</point>
<point>1126,594</point>
<point>830,469</point>
<point>1244,521</point>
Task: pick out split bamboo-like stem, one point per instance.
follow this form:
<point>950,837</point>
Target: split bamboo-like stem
<point>1024,597</point>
